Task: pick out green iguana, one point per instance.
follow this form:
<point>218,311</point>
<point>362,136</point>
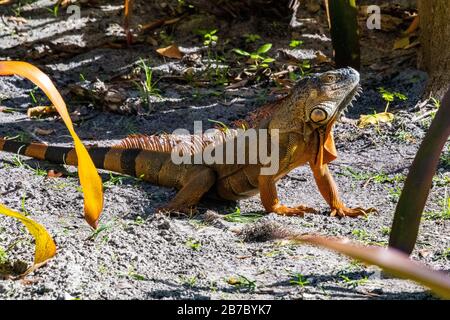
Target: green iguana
<point>304,120</point>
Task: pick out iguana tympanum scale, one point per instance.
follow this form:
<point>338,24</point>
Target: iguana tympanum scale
<point>304,119</point>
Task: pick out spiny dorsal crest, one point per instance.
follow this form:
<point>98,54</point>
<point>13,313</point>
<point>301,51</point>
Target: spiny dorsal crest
<point>183,144</point>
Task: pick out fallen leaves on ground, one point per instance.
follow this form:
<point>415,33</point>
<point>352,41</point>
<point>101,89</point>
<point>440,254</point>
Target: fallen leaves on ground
<point>43,132</point>
<point>375,119</point>
<point>171,51</point>
<point>41,111</point>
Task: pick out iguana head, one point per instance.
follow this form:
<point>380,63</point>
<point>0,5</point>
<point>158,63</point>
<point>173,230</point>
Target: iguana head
<point>314,105</point>
<point>330,93</point>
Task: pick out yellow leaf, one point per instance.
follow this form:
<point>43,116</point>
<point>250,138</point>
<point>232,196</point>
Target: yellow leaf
<point>375,119</point>
<point>45,247</point>
<point>401,43</point>
<point>171,51</point>
<point>89,178</point>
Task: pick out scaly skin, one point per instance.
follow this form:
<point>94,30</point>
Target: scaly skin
<point>304,119</point>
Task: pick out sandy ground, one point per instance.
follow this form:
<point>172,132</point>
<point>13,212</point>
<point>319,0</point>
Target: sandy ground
<point>139,254</point>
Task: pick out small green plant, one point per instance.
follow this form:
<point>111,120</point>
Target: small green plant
<point>33,97</point>
<point>54,11</point>
<point>250,37</point>
<point>299,280</point>
<point>193,244</point>
<point>390,97</point>
<point>38,171</point>
<point>395,193</point>
<point>361,234</point>
<point>405,136</point>
<point>101,229</point>
<point>209,37</point>
<point>189,282</point>
<point>446,253</point>
<point>17,8</point>
<point>443,213</point>
<point>257,58</point>
<point>441,180</point>
<point>355,175</point>
<point>436,102</point>
<point>237,217</point>
<point>384,178</point>
<point>21,137</point>
<point>136,276</point>
<point>147,87</point>
<point>295,43</point>
<point>3,256</point>
<point>242,283</point>
<point>445,157</point>
<point>385,231</point>
<point>139,221</point>
<point>353,283</point>
<point>304,68</point>
<point>114,180</point>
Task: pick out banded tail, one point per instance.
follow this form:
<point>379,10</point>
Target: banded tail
<point>109,158</point>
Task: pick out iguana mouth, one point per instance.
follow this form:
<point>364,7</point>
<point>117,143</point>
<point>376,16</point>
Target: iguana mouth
<point>348,102</point>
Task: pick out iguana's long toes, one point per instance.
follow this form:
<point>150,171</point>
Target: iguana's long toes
<point>297,211</point>
<point>352,212</point>
<point>306,209</point>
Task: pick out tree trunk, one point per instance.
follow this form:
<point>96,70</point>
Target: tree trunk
<point>435,48</point>
<point>343,17</point>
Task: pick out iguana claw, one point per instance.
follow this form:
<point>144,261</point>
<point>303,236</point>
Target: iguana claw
<point>351,212</point>
<point>296,211</point>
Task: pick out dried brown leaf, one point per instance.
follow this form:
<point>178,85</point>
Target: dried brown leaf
<point>171,51</point>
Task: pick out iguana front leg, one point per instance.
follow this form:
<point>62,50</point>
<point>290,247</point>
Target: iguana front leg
<point>328,189</point>
<point>271,203</point>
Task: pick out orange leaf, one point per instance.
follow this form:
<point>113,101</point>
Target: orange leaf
<point>89,178</point>
<point>171,51</point>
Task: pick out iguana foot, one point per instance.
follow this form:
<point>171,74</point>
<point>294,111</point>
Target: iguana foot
<point>351,212</point>
<point>296,211</point>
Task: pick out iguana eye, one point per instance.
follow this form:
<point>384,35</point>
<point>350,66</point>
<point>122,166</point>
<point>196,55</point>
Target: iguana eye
<point>318,115</point>
<point>329,78</point>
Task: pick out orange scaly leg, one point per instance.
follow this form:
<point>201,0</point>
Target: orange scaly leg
<point>271,203</point>
<point>328,189</point>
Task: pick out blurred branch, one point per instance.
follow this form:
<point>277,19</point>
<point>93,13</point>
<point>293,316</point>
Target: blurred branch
<point>409,209</point>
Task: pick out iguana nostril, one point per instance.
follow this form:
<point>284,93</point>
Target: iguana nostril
<point>318,115</point>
